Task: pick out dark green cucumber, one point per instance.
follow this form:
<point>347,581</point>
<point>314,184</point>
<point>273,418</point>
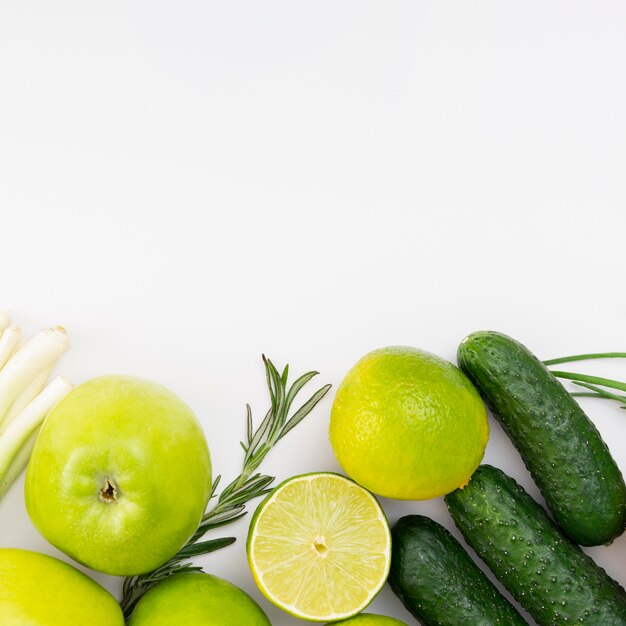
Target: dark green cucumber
<point>549,575</point>
<point>562,449</point>
<point>439,583</point>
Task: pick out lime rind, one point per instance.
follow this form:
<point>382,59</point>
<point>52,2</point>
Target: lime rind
<point>319,547</point>
<point>407,424</point>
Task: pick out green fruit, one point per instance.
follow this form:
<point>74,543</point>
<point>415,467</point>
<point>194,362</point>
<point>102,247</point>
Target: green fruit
<point>562,449</point>
<point>197,599</point>
<point>438,581</point>
<point>38,590</point>
<point>407,424</point>
<point>120,475</point>
<point>551,577</point>
<point>369,619</point>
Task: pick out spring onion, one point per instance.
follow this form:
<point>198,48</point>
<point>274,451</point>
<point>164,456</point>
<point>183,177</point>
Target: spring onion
<point>19,432</point>
<point>25,400</point>
<point>27,395</point>
<point>5,321</point>
<point>9,341</point>
<point>39,353</point>
<point>596,386</point>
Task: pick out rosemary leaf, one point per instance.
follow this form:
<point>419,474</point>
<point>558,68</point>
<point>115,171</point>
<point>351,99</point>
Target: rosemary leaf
<point>297,386</point>
<point>204,547</point>
<point>216,482</point>
<point>258,436</point>
<point>248,424</point>
<point>285,375</point>
<point>304,410</point>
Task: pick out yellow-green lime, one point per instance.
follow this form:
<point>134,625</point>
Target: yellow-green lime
<point>408,424</point>
<point>197,599</point>
<point>319,547</point>
<point>369,619</point>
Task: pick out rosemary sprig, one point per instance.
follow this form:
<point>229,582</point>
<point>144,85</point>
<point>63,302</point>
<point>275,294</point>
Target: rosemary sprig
<point>231,503</point>
<point>594,384</point>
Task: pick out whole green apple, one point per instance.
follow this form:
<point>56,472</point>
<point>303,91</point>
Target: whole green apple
<point>120,475</point>
<point>39,590</point>
<point>197,599</point>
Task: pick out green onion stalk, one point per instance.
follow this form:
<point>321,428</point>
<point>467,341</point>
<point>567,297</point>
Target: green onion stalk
<point>25,395</point>
<point>595,386</point>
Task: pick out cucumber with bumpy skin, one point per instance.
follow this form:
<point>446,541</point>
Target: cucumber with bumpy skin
<point>439,583</point>
<point>562,449</point>
<point>550,576</point>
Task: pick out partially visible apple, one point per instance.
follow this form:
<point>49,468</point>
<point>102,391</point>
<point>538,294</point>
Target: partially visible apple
<point>120,475</point>
<point>197,599</point>
<point>39,590</point>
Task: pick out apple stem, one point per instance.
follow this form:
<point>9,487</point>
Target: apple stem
<point>108,493</point>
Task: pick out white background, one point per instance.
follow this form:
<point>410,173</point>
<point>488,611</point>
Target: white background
<point>188,184</point>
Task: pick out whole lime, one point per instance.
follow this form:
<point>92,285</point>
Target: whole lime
<point>408,424</point>
<point>39,590</point>
<point>197,599</point>
<point>120,475</point>
<point>369,619</point>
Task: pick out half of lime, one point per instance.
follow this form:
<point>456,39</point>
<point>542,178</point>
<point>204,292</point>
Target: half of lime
<point>319,547</point>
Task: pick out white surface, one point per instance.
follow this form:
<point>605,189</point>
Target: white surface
<point>186,185</point>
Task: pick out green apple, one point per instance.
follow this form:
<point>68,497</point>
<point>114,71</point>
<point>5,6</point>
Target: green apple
<point>39,590</point>
<point>197,599</point>
<point>120,475</point>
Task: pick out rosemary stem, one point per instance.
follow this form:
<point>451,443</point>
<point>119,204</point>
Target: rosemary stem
<point>241,481</point>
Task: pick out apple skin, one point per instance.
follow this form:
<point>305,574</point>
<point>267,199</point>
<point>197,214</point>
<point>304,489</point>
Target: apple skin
<point>197,599</point>
<point>120,475</point>
<point>39,590</point>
